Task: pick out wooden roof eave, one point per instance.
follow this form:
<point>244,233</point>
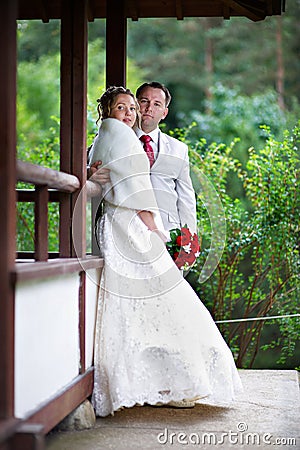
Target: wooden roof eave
<point>137,9</point>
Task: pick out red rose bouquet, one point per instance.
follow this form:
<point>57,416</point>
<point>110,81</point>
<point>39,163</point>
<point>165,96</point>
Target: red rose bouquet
<point>184,247</point>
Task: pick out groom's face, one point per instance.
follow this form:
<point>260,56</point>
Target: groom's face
<point>153,108</point>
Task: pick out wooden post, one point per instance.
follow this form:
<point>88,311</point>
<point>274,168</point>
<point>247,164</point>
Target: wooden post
<point>116,38</point>
<point>8,51</point>
<point>79,148</point>
<point>116,33</point>
<point>82,305</point>
<point>65,124</point>
<point>73,119</point>
<point>28,437</point>
<point>41,223</point>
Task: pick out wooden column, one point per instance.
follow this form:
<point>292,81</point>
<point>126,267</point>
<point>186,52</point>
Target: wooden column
<point>65,242</point>
<point>116,37</point>
<point>41,223</point>
<point>8,51</point>
<point>74,41</point>
<point>28,437</point>
<point>82,318</point>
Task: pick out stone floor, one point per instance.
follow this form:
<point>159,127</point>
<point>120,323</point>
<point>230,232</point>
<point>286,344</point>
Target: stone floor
<point>265,416</point>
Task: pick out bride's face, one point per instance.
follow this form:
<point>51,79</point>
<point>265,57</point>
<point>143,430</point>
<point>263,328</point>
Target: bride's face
<point>124,109</point>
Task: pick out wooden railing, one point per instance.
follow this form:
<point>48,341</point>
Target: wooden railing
<point>50,186</point>
<point>44,176</point>
<point>53,179</point>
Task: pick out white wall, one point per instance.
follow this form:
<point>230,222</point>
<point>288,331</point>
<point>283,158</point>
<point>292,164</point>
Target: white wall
<point>47,337</point>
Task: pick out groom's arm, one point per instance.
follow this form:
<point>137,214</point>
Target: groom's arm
<point>186,203</point>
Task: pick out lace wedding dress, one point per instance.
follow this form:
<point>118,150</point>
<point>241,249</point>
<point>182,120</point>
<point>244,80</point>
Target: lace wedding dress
<point>155,341</point>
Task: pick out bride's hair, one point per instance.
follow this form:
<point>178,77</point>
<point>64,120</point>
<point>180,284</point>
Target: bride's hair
<point>107,101</point>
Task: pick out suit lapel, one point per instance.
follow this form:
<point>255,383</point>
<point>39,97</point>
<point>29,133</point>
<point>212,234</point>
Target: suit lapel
<point>163,145</point>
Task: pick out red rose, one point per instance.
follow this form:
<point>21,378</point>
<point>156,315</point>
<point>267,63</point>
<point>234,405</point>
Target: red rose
<point>190,258</point>
<point>182,239</point>
<point>175,255</point>
<point>180,259</point>
<point>184,258</point>
<point>178,240</point>
<point>195,247</point>
<point>185,236</point>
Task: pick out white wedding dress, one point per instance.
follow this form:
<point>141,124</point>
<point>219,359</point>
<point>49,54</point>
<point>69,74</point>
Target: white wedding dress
<point>155,341</point>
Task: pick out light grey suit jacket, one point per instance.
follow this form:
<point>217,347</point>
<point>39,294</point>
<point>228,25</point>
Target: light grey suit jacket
<point>170,178</point>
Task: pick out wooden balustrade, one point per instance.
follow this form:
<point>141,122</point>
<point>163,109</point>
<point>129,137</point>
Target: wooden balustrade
<point>53,179</point>
<point>50,185</point>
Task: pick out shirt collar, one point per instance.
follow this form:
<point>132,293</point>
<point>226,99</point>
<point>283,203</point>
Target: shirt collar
<point>153,134</point>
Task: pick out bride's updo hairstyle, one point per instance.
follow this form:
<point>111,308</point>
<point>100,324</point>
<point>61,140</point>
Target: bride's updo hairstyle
<point>107,101</point>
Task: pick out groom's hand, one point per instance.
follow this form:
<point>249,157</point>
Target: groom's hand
<point>99,174</point>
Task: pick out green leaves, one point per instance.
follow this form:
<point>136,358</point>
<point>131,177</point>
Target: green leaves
<point>258,274</point>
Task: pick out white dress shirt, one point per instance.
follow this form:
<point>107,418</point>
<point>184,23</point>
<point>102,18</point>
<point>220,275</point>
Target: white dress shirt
<point>154,136</point>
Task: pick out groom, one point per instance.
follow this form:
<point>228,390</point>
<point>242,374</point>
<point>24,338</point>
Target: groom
<point>170,171</point>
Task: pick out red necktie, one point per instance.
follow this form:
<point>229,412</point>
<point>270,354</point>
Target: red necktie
<point>147,147</point>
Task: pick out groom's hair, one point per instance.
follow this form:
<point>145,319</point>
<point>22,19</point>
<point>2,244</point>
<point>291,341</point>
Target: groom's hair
<point>155,85</point>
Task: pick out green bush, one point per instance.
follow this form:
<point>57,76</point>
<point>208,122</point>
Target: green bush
<point>230,114</point>
<point>258,272</point>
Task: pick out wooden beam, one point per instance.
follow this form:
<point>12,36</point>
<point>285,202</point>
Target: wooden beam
<point>41,223</point>
<point>73,120</point>
<point>269,7</point>
<point>28,437</point>
<point>79,147</point>
<point>243,11</point>
<point>64,402</point>
<point>90,11</point>
<point>66,103</point>
<point>28,195</point>
<point>116,33</point>
<point>32,173</point>
<point>136,9</point>
<point>179,9</point>
<point>7,429</point>
<point>132,9</point>
<point>8,51</point>
<point>28,271</point>
<point>226,12</point>
<point>82,306</point>
<point>23,256</point>
<point>44,14</point>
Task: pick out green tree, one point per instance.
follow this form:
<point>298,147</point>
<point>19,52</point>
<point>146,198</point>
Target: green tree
<point>258,273</point>
<point>234,115</point>
<point>37,39</point>
<point>194,55</point>
<point>38,97</point>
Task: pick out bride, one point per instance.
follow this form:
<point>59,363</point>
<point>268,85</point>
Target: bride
<point>155,342</point>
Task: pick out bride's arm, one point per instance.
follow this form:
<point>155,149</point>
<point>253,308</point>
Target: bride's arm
<point>148,219</point>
